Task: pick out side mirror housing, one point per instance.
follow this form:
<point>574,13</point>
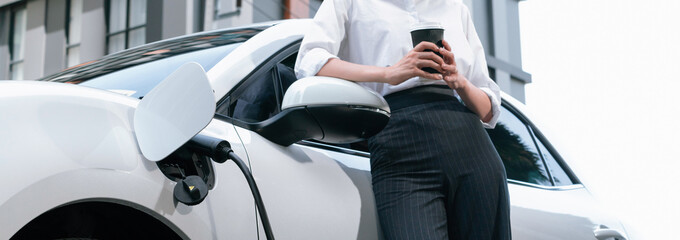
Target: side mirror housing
<point>326,109</point>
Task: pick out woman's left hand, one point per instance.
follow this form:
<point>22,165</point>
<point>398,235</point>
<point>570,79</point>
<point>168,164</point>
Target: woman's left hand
<point>452,77</point>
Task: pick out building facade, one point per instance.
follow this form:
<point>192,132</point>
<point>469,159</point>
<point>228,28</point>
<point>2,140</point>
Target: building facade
<point>41,37</point>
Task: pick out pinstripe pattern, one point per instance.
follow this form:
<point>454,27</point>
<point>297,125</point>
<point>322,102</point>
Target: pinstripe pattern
<point>436,175</point>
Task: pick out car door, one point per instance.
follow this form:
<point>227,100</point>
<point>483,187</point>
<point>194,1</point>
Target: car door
<point>548,201</point>
<point>310,190</point>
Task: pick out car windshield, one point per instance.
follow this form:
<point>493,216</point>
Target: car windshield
<point>134,72</point>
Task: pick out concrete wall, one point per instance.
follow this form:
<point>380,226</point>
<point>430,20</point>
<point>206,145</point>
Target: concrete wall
<point>55,40</point>
<point>34,48</point>
<point>497,24</point>
<point>313,6</point>
<point>93,31</point>
<point>228,15</point>
<point>266,10</point>
<point>4,43</point>
<point>168,18</point>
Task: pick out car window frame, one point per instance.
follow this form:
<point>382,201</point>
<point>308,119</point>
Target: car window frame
<point>540,154</point>
<point>520,134</point>
<point>538,136</point>
<point>265,67</point>
<point>335,148</point>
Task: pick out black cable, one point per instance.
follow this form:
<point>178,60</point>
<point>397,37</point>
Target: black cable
<point>256,194</point>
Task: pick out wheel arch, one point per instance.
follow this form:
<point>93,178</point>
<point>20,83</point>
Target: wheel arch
<point>147,192</point>
<point>98,218</point>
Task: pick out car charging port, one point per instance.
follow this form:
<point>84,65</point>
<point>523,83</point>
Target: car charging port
<point>185,162</point>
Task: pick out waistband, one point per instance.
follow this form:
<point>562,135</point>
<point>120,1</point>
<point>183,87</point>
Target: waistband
<point>419,95</point>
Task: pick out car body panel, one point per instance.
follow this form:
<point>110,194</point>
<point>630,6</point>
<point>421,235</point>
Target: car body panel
<point>62,144</point>
<point>569,213</point>
<point>311,195</point>
<point>61,127</point>
<point>537,210</point>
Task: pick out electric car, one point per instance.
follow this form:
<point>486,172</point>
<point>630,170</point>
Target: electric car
<point>112,149</point>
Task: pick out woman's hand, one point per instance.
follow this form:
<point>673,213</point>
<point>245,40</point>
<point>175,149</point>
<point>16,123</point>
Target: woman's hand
<point>474,98</point>
<point>452,77</point>
<point>410,65</point>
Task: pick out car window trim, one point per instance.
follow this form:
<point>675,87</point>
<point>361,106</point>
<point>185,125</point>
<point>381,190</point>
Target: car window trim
<point>551,188</point>
<point>540,154</point>
<point>316,144</point>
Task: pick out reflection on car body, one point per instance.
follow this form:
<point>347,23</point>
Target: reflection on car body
<point>312,189</point>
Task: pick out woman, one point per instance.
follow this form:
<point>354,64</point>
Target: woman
<point>436,174</point>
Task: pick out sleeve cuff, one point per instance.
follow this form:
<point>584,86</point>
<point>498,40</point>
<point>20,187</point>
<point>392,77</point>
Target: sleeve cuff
<point>495,108</point>
<point>312,62</point>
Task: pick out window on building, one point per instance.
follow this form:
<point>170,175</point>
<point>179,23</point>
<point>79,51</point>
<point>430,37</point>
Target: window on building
<point>126,24</point>
<point>75,10</point>
<point>199,10</point>
<point>18,32</point>
<point>227,8</point>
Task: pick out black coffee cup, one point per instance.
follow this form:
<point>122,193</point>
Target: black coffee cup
<point>430,32</point>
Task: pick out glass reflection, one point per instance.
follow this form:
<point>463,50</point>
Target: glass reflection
<point>516,149</point>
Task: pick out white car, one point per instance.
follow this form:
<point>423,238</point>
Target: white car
<point>82,156</point>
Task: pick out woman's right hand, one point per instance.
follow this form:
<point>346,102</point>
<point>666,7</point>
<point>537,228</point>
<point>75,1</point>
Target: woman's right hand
<point>411,65</point>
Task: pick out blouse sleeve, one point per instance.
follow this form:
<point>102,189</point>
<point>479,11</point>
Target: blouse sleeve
<point>479,74</point>
<point>323,38</point>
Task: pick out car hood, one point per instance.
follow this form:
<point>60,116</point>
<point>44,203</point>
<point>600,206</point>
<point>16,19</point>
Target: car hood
<point>66,123</point>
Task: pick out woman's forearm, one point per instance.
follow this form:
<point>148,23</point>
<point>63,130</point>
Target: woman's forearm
<point>407,67</point>
<point>477,101</point>
<point>352,71</point>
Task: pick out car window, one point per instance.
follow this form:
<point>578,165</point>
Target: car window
<point>516,147</point>
<point>135,71</point>
<point>256,100</point>
<point>286,73</point>
<point>559,176</point>
<point>138,80</point>
<point>260,96</point>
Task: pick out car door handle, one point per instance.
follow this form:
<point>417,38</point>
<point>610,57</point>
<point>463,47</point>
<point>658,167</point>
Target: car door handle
<point>605,233</point>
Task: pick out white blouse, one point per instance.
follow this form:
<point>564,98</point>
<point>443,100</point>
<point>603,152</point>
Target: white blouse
<point>377,33</point>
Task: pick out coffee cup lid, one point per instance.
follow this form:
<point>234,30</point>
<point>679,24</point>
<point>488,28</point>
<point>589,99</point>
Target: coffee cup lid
<point>426,25</point>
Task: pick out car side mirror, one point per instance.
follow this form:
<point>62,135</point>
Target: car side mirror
<point>327,109</point>
<point>174,111</point>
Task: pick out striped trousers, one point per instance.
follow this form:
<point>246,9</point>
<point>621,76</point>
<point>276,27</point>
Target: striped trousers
<point>436,174</point>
